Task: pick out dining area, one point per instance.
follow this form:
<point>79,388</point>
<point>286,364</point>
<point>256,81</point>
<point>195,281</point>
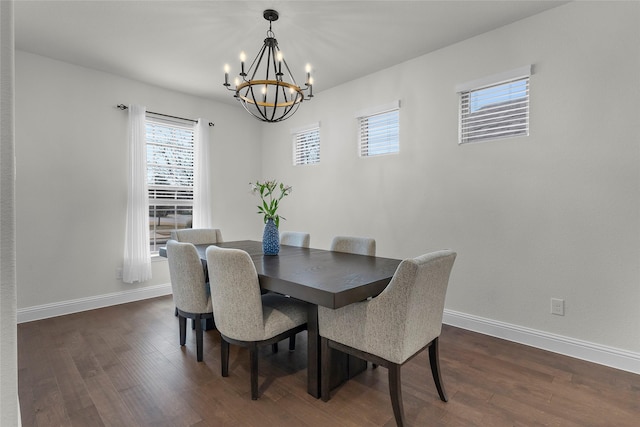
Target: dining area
<point>357,310</point>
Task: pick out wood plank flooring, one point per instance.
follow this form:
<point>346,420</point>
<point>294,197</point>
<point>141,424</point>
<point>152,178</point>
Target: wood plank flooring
<point>123,366</point>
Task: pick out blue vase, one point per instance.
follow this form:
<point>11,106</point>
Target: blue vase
<point>270,238</point>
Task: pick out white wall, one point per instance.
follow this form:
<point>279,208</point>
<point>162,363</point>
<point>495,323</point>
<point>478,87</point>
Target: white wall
<point>555,214</point>
<point>71,184</point>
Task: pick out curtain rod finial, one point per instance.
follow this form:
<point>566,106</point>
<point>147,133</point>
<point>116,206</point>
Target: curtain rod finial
<point>121,107</point>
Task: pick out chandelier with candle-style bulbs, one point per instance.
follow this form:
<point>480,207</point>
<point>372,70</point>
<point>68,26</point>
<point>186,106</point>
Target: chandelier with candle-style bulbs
<point>268,90</point>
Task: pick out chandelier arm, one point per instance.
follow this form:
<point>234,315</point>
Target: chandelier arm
<point>290,111</point>
<point>255,102</point>
<point>293,80</point>
<point>270,58</point>
<point>256,62</point>
<point>261,118</point>
<point>275,103</point>
<point>284,93</point>
<point>279,77</point>
<point>275,72</point>
<point>287,110</point>
<point>246,92</point>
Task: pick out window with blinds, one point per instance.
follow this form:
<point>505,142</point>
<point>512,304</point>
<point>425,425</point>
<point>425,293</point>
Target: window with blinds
<point>170,163</point>
<point>495,111</point>
<point>306,146</point>
<point>379,133</point>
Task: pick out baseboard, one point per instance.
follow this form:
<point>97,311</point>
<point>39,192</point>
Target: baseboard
<point>46,311</point>
<point>584,350</point>
<point>596,353</point>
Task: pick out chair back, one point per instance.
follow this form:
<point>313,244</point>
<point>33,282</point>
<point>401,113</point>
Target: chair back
<point>197,236</point>
<point>235,292</point>
<point>416,294</point>
<point>187,277</point>
<point>354,245</point>
<point>295,238</point>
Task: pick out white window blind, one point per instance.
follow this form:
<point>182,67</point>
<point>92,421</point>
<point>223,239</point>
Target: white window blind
<point>495,111</point>
<point>379,133</point>
<point>306,146</point>
<point>170,172</point>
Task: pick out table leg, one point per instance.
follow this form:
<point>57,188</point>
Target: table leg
<point>343,366</point>
<point>313,352</point>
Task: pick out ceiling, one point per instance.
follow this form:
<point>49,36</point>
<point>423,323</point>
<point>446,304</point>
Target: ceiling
<point>183,45</point>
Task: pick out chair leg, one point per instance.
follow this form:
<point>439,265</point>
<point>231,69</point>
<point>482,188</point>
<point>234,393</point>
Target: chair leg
<point>396,394</point>
<point>325,369</point>
<point>274,347</point>
<point>292,343</point>
<point>182,324</point>
<point>198,337</point>
<point>224,357</point>
<point>434,361</point>
<point>253,354</point>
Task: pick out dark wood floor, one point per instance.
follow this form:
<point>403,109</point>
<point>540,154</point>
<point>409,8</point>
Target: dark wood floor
<point>123,366</point>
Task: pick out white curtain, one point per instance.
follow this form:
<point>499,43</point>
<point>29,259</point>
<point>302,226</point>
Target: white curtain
<point>202,201</point>
<point>137,253</point>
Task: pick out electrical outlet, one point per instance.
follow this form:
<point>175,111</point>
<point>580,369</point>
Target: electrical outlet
<point>119,273</point>
<point>557,306</point>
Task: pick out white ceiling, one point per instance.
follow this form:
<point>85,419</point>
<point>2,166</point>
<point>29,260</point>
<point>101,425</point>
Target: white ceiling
<point>183,45</point>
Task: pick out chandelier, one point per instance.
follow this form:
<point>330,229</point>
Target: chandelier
<point>268,90</point>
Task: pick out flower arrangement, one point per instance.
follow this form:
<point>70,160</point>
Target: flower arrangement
<point>271,192</point>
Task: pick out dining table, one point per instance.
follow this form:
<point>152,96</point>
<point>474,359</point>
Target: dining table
<point>319,278</point>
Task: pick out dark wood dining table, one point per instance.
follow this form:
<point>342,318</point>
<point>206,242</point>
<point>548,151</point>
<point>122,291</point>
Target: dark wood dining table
<point>318,277</point>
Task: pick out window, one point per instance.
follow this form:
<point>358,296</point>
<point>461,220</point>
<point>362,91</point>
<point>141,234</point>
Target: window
<point>496,110</point>
<point>306,145</point>
<point>379,131</point>
<point>170,167</point>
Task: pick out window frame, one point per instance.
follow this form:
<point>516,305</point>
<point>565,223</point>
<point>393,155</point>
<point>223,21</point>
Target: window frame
<point>303,135</point>
<point>364,147</point>
<point>177,198</point>
<point>505,117</point>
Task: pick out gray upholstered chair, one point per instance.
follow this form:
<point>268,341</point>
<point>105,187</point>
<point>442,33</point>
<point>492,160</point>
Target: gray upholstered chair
<point>197,236</point>
<point>391,328</point>
<point>354,245</point>
<point>295,238</point>
<point>190,294</point>
<point>244,317</point>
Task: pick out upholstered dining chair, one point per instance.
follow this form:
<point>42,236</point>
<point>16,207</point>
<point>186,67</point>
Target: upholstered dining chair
<point>295,238</point>
<point>190,294</point>
<point>197,236</point>
<point>244,317</point>
<point>394,326</point>
<point>354,245</point>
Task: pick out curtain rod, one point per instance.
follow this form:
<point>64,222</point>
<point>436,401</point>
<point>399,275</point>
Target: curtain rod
<point>124,107</point>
